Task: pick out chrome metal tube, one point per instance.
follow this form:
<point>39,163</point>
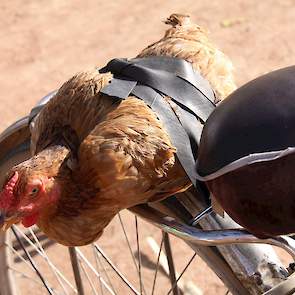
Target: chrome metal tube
<point>209,237</point>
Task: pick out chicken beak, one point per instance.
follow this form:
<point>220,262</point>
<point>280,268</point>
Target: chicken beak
<point>7,221</point>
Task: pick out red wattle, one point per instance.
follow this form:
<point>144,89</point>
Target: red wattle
<point>30,220</point>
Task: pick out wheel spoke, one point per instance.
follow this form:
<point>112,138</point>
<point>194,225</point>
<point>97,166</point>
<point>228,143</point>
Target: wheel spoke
<point>88,279</point>
<point>86,261</point>
<point>49,290</point>
<point>127,283</point>
<point>129,247</point>
<point>157,266</point>
<point>139,255</point>
<point>188,264</point>
<point>201,215</point>
<point>98,261</point>
<point>76,270</point>
<point>47,260</point>
<point>168,251</point>
<point>127,241</point>
<point>23,275</point>
<point>98,270</point>
<point>19,256</point>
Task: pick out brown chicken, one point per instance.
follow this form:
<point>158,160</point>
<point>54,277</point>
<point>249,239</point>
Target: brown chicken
<point>94,156</point>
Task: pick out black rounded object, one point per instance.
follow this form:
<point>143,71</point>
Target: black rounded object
<point>258,117</point>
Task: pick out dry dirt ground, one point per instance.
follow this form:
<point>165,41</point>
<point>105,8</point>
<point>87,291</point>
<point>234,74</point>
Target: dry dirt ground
<point>43,43</point>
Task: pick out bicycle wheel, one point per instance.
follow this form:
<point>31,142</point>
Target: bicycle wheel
<point>14,146</point>
<point>16,274</point>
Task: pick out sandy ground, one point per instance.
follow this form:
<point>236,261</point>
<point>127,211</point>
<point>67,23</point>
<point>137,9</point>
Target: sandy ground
<point>43,43</point>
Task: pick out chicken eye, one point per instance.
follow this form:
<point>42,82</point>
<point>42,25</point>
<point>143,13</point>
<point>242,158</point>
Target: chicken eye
<point>34,191</point>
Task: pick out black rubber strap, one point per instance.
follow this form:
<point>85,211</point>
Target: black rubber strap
<point>192,100</point>
<point>177,66</point>
<point>184,94</point>
<point>120,88</point>
<point>180,138</point>
<point>177,134</point>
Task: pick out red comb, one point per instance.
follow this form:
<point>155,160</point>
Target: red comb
<point>6,196</point>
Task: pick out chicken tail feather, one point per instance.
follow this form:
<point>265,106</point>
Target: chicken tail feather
<point>177,19</point>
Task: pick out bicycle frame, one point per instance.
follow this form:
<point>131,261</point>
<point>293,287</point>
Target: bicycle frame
<point>249,263</point>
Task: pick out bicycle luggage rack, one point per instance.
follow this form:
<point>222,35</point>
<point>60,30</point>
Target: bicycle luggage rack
<point>211,237</point>
<point>219,237</point>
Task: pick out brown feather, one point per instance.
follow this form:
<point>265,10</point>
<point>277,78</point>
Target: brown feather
<point>124,155</point>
